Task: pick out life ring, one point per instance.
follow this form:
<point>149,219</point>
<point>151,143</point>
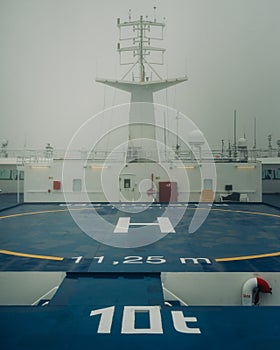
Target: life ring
<point>251,290</point>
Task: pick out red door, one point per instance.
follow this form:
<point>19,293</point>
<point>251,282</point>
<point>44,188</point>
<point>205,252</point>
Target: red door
<point>168,191</point>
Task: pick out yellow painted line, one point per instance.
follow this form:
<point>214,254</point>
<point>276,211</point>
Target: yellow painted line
<point>240,211</point>
<point>238,258</point>
<point>31,213</point>
<point>92,208</point>
<point>8,252</point>
<point>248,257</point>
<point>43,212</point>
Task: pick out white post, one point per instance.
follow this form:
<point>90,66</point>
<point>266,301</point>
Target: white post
<point>18,172</point>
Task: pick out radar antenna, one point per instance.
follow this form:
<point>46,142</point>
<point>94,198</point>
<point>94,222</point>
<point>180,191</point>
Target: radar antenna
<point>137,37</point>
<point>138,51</point>
<point>4,144</point>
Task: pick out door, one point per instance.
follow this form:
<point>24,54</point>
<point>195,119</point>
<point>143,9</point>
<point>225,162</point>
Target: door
<point>168,191</point>
<point>127,187</point>
<point>208,184</point>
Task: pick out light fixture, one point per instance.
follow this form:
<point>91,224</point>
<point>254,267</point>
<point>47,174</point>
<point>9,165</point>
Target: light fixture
<point>39,166</point>
<point>186,167</point>
<point>246,166</point>
<point>99,167</point>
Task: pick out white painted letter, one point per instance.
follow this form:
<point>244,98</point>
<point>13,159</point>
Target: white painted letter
<point>106,319</point>
<point>180,323</point>
<point>128,323</point>
<point>163,223</point>
<point>195,260</point>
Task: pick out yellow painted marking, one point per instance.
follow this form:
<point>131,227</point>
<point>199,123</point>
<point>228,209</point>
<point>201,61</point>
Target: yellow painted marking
<point>238,258</point>
<point>8,252</point>
<point>31,213</point>
<point>43,212</point>
<point>92,208</point>
<point>240,211</point>
<point>248,257</point>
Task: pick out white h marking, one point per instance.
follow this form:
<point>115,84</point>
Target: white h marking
<point>163,223</point>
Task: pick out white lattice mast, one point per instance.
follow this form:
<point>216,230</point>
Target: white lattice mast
<point>141,55</point>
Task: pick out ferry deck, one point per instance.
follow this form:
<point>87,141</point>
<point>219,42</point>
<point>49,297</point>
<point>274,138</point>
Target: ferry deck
<point>183,289</point>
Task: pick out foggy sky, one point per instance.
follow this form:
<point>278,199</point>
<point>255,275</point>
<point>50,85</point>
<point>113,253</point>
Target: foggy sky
<point>52,51</point>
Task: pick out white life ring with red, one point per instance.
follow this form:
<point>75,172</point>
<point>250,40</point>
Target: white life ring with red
<point>251,290</point>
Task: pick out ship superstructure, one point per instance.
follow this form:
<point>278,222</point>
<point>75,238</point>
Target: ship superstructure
<point>136,49</point>
<point>139,151</point>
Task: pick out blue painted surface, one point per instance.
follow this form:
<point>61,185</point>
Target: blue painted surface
<point>229,231</point>
<point>71,327</point>
<point>9,200</point>
<point>103,276</point>
<point>67,322</point>
<point>272,199</point>
<point>120,289</point>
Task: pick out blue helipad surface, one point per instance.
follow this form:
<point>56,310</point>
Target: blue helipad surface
<point>234,237</point>
<point>112,297</point>
<point>127,311</point>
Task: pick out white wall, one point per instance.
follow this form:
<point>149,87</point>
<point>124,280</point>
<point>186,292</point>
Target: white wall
<point>216,288</point>
<point>244,178</point>
<point>101,183</point>
<point>271,185</point>
<point>25,288</point>
<point>10,186</point>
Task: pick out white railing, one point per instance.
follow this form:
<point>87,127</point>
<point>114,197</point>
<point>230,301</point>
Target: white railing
<point>27,156</point>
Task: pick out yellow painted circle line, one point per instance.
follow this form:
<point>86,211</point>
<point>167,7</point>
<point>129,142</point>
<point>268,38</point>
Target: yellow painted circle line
<point>93,208</point>
<point>242,212</point>
<point>238,258</point>
<point>248,257</point>
<point>42,212</point>
<point>47,257</point>
<point>57,258</point>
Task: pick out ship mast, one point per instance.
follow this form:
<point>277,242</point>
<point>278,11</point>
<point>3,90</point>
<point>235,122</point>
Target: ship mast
<point>139,52</point>
<point>141,56</point>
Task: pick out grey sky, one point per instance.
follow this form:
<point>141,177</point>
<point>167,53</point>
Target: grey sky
<point>52,50</point>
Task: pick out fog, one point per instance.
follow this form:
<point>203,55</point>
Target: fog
<point>52,51</point>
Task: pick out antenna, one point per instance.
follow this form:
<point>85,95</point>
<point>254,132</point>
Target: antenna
<point>229,149</point>
<point>278,144</point>
<point>234,136</point>
<point>136,48</point>
<point>4,143</point>
<point>3,152</point>
<point>49,150</point>
<point>155,13</point>
<point>269,137</point>
<point>255,134</point>
<point>223,143</point>
<point>140,34</point>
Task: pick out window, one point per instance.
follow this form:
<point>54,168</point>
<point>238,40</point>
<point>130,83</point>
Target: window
<point>5,174</point>
<point>77,185</point>
<point>277,174</point>
<point>126,183</point>
<point>208,184</point>
<point>271,174</point>
<point>267,174</point>
<point>14,174</point>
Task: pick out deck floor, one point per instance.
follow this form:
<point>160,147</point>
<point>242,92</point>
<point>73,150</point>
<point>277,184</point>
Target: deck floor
<point>105,285</point>
<point>234,237</point>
